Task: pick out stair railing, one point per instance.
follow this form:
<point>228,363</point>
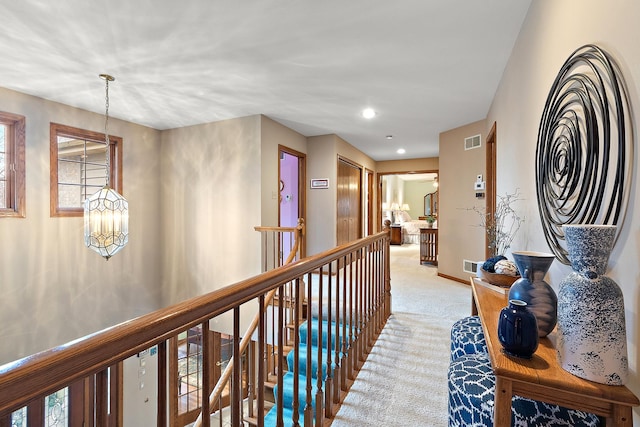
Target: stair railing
<point>274,240</point>
<point>351,287</point>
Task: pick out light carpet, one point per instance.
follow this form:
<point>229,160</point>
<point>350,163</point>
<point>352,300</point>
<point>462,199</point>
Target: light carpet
<point>404,380</point>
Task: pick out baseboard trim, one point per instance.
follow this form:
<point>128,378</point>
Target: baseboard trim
<point>455,279</point>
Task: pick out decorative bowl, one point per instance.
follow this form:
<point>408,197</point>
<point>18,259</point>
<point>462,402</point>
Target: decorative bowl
<point>502,280</point>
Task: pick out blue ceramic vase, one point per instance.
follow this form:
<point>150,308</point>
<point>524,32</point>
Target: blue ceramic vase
<point>531,288</point>
<point>518,330</point>
<point>592,341</point>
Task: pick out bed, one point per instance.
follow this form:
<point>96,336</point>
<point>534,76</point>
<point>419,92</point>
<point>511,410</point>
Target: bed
<point>410,228</point>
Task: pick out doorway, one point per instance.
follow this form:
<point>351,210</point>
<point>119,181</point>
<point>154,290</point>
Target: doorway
<point>405,192</point>
<point>349,198</point>
<point>490,178</point>
<point>369,210</point>
<point>292,195</point>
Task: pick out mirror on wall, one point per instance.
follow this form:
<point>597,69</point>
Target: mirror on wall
<point>431,204</point>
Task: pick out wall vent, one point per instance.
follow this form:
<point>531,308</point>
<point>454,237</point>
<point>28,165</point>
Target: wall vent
<point>472,142</point>
<point>470,266</point>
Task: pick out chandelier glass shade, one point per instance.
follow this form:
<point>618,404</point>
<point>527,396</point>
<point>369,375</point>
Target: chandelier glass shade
<point>106,222</point>
<point>106,213</point>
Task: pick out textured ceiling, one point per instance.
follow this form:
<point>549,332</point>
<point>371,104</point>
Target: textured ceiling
<point>425,66</point>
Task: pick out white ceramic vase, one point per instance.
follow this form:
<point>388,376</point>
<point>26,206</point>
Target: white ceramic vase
<point>592,341</point>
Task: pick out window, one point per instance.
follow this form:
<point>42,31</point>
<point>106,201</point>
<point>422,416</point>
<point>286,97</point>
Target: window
<point>78,167</point>
<point>12,165</point>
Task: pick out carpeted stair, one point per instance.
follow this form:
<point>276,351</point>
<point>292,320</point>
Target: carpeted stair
<point>288,378</point>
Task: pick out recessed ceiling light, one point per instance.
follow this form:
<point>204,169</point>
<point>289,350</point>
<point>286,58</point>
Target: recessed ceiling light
<point>389,136</point>
<point>368,113</point>
<point>401,151</point>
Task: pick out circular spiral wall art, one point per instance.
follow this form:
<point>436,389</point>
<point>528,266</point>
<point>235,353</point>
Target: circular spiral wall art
<point>585,147</point>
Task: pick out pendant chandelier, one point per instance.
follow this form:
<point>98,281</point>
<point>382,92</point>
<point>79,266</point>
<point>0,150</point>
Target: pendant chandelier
<point>106,213</point>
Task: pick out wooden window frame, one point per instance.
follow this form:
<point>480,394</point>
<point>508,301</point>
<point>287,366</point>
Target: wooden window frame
<point>15,163</point>
<point>115,162</point>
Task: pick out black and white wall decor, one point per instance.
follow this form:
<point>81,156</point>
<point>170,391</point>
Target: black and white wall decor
<point>584,156</point>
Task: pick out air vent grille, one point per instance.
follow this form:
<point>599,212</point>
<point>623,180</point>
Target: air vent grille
<point>472,142</point>
<point>470,266</point>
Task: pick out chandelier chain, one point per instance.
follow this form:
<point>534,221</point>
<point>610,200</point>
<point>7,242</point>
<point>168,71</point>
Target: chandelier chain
<point>107,78</point>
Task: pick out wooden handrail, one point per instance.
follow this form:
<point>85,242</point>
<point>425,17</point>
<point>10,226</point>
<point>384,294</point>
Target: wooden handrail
<point>43,373</point>
<point>246,338</point>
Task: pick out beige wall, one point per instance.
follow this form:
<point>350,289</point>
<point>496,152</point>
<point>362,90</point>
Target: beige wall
<point>414,192</point>
<point>321,203</point>
<point>323,152</point>
<point>54,289</point>
<point>409,165</point>
<point>459,238</point>
<point>211,202</point>
<point>551,32</point>
<point>273,134</point>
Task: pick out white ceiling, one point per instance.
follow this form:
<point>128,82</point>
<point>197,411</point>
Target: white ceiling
<point>425,66</point>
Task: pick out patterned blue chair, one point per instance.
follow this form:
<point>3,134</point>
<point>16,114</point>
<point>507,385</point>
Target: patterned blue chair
<point>471,404</point>
<point>467,337</point>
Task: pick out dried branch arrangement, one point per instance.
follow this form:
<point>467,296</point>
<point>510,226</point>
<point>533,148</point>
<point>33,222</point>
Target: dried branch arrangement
<point>502,226</point>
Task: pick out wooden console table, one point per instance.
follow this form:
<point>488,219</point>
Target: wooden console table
<point>429,245</point>
<point>541,377</point>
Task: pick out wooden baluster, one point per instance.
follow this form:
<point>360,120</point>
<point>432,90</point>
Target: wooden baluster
<point>319,392</point>
<point>35,413</point>
<point>343,322</point>
<point>205,353</point>
<point>362,338</point>
<point>281,344</point>
<point>251,375</point>
<point>363,305</point>
<point>387,279</point>
<point>360,353</point>
<point>372,300</point>
<point>371,296</point>
<point>377,296</point>
<point>350,326</point>
<point>272,347</point>
<point>308,408</point>
<point>236,384</point>
<point>261,362</point>
<point>161,414</point>
<point>276,249</point>
<point>174,384</point>
<point>336,370</point>
<point>328,384</point>
<point>356,324</point>
<point>383,290</point>
<point>289,312</point>
<point>216,356</point>
<point>296,354</point>
<point>102,398</point>
<point>377,304</point>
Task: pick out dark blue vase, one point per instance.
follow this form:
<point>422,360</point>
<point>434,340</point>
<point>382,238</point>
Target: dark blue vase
<point>518,330</point>
<point>531,288</point>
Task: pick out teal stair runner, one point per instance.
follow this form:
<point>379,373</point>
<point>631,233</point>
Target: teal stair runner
<point>271,417</point>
